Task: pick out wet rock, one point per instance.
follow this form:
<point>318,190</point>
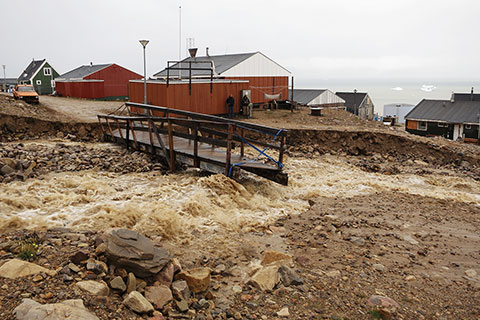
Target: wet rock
<point>198,279</point>
<point>283,313</point>
<point>180,290</point>
<point>384,305</point>
<point>277,258</point>
<point>16,268</point>
<point>79,257</point>
<point>159,296</point>
<point>118,284</point>
<point>135,252</point>
<point>93,287</point>
<point>68,309</point>
<point>289,277</point>
<point>266,278</point>
<point>136,302</point>
<point>131,283</point>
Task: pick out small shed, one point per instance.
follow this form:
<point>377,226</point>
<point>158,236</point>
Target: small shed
<point>99,81</point>
<point>316,98</point>
<point>358,103</point>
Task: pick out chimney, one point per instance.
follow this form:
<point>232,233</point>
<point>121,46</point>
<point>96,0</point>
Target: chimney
<point>193,52</point>
<point>471,95</point>
<point>91,64</point>
<point>452,97</point>
<point>206,52</point>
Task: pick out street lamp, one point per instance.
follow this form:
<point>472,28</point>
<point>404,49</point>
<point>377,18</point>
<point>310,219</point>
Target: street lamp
<point>144,44</point>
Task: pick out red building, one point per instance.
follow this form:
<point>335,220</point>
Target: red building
<point>261,76</point>
<point>100,81</point>
<point>179,94</point>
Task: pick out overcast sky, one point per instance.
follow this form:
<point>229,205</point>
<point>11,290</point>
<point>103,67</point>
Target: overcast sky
<point>328,40</point>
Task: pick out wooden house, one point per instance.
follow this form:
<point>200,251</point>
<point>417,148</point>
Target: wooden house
<point>41,75</point>
<point>358,103</point>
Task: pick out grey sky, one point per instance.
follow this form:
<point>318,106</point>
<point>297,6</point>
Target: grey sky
<point>349,39</point>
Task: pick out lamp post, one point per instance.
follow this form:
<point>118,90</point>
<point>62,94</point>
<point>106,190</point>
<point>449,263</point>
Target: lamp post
<point>144,44</point>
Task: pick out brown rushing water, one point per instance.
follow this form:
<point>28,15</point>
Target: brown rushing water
<point>176,205</point>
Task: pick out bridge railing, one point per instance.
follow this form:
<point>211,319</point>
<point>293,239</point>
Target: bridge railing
<point>199,128</point>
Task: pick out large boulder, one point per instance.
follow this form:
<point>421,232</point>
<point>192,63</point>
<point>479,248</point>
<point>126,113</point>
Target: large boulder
<point>135,252</point>
<point>68,309</point>
<point>16,268</point>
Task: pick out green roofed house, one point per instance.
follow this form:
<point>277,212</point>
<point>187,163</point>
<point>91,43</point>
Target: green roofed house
<point>41,75</point>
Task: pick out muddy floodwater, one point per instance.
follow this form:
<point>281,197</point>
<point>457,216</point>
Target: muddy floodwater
<point>177,205</point>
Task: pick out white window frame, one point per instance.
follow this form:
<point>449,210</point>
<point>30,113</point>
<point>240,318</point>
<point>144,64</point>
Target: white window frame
<point>38,82</point>
<point>420,127</point>
<point>442,125</point>
<point>468,126</point>
<point>45,73</point>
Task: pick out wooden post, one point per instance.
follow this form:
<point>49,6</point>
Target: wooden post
<point>196,161</point>
<point>127,140</point>
<point>282,146</point>
<point>150,135</point>
<point>119,129</point>
<point>170,144</point>
<point>228,160</point>
<point>242,146</point>
<point>132,127</point>
<point>110,129</point>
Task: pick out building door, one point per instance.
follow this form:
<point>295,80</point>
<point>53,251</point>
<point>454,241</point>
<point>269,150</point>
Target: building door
<point>457,131</point>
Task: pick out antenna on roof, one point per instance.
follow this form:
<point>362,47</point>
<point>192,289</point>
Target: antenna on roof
<point>471,95</point>
<point>206,52</point>
<point>91,64</point>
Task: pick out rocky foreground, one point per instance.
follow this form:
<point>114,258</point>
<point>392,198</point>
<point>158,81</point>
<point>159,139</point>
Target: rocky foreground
<point>124,275</point>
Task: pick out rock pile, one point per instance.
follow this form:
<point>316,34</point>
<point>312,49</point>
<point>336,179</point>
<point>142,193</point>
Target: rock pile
<point>19,161</point>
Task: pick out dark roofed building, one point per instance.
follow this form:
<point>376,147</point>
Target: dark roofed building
<point>358,103</point>
<point>448,118</point>
<point>96,81</point>
<point>41,75</point>
<point>315,97</point>
<point>466,96</point>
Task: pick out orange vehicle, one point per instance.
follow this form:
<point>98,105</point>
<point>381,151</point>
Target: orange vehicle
<point>25,92</point>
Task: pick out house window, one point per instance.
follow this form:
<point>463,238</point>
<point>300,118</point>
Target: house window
<point>39,82</point>
<point>47,71</point>
<point>468,126</point>
<point>52,83</point>
<point>422,125</point>
<point>441,125</point>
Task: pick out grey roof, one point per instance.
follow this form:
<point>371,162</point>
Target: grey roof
<point>9,81</point>
<point>31,70</point>
<point>352,99</point>
<point>466,96</point>
<point>83,71</point>
<point>446,111</point>
<point>221,64</point>
<point>304,96</point>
